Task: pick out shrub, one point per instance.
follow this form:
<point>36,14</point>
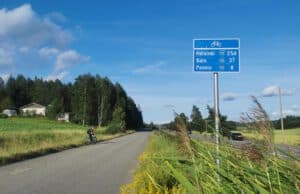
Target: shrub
<point>3,116</point>
<point>113,128</point>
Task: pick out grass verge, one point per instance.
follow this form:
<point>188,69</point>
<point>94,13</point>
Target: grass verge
<point>19,143</point>
<point>166,167</point>
<point>174,163</point>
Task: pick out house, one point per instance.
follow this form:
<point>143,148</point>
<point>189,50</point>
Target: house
<point>33,109</point>
<point>64,117</point>
<point>10,112</point>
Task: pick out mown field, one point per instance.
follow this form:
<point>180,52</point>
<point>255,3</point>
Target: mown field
<point>19,124</point>
<point>22,138</point>
<point>288,136</point>
<point>175,164</point>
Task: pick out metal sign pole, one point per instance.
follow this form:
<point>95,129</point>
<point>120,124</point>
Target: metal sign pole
<point>281,112</point>
<point>217,119</point>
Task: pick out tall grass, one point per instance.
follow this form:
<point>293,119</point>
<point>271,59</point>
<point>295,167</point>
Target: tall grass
<point>190,167</point>
<point>18,145</point>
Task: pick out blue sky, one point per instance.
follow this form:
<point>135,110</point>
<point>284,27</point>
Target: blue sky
<point>147,47</point>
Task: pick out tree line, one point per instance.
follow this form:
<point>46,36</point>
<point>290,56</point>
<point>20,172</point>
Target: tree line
<point>198,123</point>
<point>289,122</point>
<point>90,100</point>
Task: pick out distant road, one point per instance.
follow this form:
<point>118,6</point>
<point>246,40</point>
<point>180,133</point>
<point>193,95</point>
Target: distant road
<point>101,168</point>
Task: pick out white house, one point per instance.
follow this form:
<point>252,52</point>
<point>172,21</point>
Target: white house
<point>33,109</point>
<point>64,117</point>
<point>10,112</point>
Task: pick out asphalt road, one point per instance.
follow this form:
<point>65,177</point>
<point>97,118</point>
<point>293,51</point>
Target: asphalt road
<point>99,168</point>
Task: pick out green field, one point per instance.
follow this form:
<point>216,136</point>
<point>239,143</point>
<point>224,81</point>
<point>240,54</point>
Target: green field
<point>22,138</point>
<point>288,136</point>
<point>19,123</point>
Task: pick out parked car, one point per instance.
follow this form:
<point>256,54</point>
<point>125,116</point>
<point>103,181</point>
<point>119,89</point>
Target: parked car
<point>236,135</point>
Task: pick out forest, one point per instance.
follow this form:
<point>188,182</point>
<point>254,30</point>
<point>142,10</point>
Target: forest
<point>90,100</point>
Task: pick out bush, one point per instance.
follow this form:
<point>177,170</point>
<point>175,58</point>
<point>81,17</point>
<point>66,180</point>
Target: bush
<point>113,128</point>
<point>3,116</point>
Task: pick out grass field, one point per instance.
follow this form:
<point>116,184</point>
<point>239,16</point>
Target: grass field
<point>19,123</point>
<point>288,136</point>
<point>22,138</point>
<point>175,165</point>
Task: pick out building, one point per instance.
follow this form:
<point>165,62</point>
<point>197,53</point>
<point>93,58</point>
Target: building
<point>33,109</point>
<point>10,112</point>
<point>64,117</point>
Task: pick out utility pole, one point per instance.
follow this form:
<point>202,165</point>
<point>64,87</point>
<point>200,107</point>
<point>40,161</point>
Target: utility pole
<point>281,111</point>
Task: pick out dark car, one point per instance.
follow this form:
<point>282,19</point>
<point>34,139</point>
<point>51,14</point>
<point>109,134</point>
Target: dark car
<point>235,135</point>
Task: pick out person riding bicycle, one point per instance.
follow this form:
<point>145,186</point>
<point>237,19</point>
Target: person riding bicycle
<point>91,133</point>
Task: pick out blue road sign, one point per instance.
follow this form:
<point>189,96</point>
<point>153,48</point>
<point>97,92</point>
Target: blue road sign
<point>216,55</point>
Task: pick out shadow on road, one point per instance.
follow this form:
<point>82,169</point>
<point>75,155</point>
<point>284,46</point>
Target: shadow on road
<point>107,142</point>
<point>144,130</point>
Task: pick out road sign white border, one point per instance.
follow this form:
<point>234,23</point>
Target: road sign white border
<point>193,65</point>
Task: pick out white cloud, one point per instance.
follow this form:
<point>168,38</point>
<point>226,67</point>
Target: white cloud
<point>274,91</point>
<point>149,68</point>
<point>6,57</point>
<point>24,49</point>
<point>169,106</point>
<point>48,52</point>
<point>295,107</point>
<point>286,112</point>
<point>23,25</point>
<point>270,91</point>
<point>5,77</point>
<point>60,76</point>
<point>69,58</point>
<point>57,17</point>
<point>228,97</point>
<point>27,37</point>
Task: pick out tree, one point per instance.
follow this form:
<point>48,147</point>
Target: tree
<point>3,95</point>
<point>40,92</point>
<point>108,100</point>
<point>54,108</point>
<point>225,126</point>
<point>134,117</point>
<point>84,100</point>
<point>289,121</point>
<point>90,99</point>
<point>6,103</point>
<point>197,122</point>
<point>121,96</point>
<point>98,85</point>
<point>182,120</point>
<point>119,117</point>
<point>152,126</point>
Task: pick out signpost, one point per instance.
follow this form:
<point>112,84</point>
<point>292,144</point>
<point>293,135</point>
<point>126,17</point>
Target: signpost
<point>220,55</point>
<point>216,55</point>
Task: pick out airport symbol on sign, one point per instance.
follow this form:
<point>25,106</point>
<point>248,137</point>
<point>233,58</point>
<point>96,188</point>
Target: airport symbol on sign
<point>216,55</point>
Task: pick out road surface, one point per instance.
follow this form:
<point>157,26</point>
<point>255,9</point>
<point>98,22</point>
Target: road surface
<point>99,168</point>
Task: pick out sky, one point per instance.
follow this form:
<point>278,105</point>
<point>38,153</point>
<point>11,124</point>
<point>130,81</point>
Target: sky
<point>147,47</point>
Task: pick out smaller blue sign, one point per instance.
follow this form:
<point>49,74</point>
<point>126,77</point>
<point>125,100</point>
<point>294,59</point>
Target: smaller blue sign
<point>216,55</point>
